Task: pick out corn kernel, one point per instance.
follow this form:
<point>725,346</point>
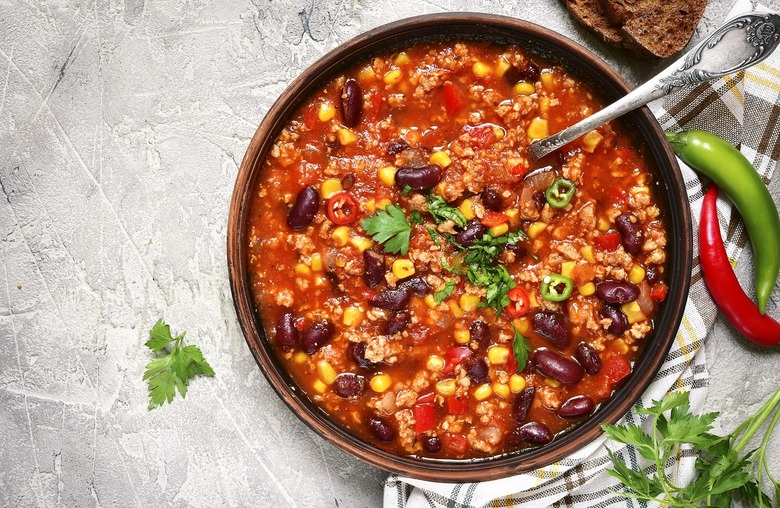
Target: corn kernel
<point>499,230</point>
<point>547,79</point>
<point>523,88</point>
<point>636,274</point>
<point>603,225</point>
<point>467,209</point>
<point>366,73</point>
<point>587,289</point>
<point>498,355</point>
<point>567,267</point>
<point>300,358</point>
<point>446,387</point>
<point>370,206</point>
<point>544,104</point>
<point>430,301</point>
<point>392,77</point>
<point>619,346</point>
<point>480,69</point>
<point>387,175</point>
<point>361,243</point>
<point>382,203</point>
<point>501,390</point>
<point>320,281</point>
<point>633,312</point>
<point>536,229</point>
<point>517,383</point>
<point>469,302</point>
<point>587,253</point>
<point>340,236</point>
<point>326,372</point>
<point>319,386</point>
<point>499,132</point>
<point>502,66</point>
<point>353,316</point>
<point>341,260</point>
<point>413,136</point>
<point>537,129</point>
<point>483,392</point>
<point>326,112</point>
<point>440,158</point>
<point>591,140</point>
<point>514,216</point>
<point>533,301</point>
<point>462,336</point>
<point>523,325</point>
<point>316,262</point>
<point>330,187</point>
<point>552,382</point>
<point>380,383</point>
<point>401,59</point>
<point>403,268</point>
<point>455,309</point>
<point>345,136</point>
<point>435,363</point>
<point>639,189</point>
<point>302,269</point>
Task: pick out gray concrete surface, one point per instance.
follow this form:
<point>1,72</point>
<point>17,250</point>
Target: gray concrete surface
<point>122,125</point>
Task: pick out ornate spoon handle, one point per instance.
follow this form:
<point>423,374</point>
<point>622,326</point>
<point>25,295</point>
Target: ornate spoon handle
<point>739,43</point>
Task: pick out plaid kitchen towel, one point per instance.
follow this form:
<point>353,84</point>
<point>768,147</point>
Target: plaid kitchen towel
<point>581,479</point>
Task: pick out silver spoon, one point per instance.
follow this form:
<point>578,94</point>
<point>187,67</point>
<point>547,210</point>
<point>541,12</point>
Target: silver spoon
<point>741,42</point>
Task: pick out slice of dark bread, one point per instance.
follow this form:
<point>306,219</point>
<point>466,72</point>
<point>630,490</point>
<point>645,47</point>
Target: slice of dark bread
<point>591,14</point>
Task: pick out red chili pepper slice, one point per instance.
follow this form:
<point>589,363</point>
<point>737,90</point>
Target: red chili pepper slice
<point>456,443</point>
<point>342,209</point>
<point>457,405</point>
<point>608,241</point>
<point>723,285</point>
<point>519,303</point>
<point>616,367</point>
<point>424,418</point>
<point>427,398</point>
<point>451,97</point>
<point>491,218</point>
<point>453,356</point>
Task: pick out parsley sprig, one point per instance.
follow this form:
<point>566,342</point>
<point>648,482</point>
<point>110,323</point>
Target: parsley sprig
<point>390,227</point>
<point>440,210</point>
<point>724,472</point>
<point>173,371</point>
<point>521,349</point>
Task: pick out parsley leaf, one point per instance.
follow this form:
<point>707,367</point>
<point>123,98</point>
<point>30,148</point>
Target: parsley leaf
<point>389,227</point>
<point>440,210</point>
<point>447,290</point>
<point>172,372</point>
<point>521,349</point>
<point>416,217</point>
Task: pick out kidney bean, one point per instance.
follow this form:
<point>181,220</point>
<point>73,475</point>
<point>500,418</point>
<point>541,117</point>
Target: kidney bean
<point>552,326</point>
<point>397,323</point>
<point>305,208</point>
<point>630,232</point>
<point>285,331</point>
<point>539,199</point>
<point>617,292</point>
<point>471,233</point>
<point>397,147</point>
<point>374,271</point>
<point>351,103</point>
<point>522,404</point>
<point>432,444</point>
<point>557,367</point>
<point>535,432</point>
<point>316,336</point>
<point>392,299</point>
<point>619,320</point>
<point>348,384</point>
<point>652,275</point>
<point>416,284</point>
<point>418,178</point>
<point>357,351</point>
<point>491,199</point>
<point>381,429</point>
<point>479,331</point>
<point>517,249</point>
<point>348,181</point>
<point>476,368</point>
<point>576,407</point>
<point>529,73</point>
<point>588,358</point>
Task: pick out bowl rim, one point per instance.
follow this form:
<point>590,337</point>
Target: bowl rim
<point>678,220</point>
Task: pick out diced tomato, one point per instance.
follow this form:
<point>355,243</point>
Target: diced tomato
<point>310,116</point>
<point>659,292</point>
<point>424,418</point>
<point>519,303</point>
<point>376,104</point>
<point>582,274</point>
<point>482,136</point>
<point>616,367</point>
<point>620,196</point>
<point>451,97</point>
<point>455,443</point>
<point>427,398</point>
<point>342,209</point>
<point>518,170</point>
<point>492,218</point>
<point>453,356</point>
<point>608,241</point>
<point>457,405</point>
<point>511,363</point>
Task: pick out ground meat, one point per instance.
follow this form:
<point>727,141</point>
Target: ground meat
<point>406,433</point>
<point>284,298</point>
<point>384,349</point>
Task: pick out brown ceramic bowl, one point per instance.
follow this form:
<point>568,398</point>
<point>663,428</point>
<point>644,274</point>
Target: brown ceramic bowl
<point>670,193</point>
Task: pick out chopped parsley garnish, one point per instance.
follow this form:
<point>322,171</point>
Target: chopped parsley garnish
<point>406,190</point>
<point>441,211</point>
<point>434,235</point>
<point>390,228</point>
<point>521,349</point>
<point>416,217</point>
<point>447,290</point>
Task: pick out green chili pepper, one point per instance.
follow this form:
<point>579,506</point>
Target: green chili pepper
<point>556,288</point>
<point>735,175</point>
<point>561,191</point>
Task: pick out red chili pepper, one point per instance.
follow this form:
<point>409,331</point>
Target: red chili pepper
<point>342,209</point>
<point>455,443</point>
<point>616,368</point>
<point>724,287</point>
<point>457,405</point>
<point>518,170</point>
<point>608,241</point>
<point>659,292</point>
<point>453,356</point>
<point>491,218</point>
<point>424,418</point>
<point>519,303</point>
<point>452,99</point>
